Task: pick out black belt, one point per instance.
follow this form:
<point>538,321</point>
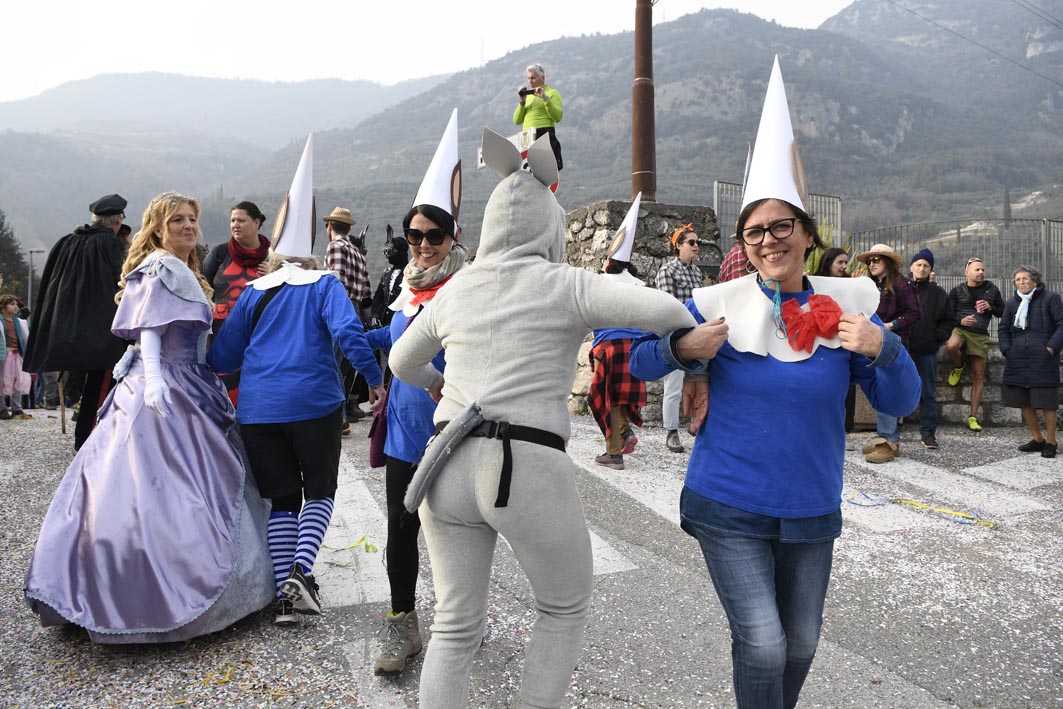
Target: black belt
<point>510,432</point>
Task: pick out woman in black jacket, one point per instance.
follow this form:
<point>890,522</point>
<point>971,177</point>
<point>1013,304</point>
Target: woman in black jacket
<point>1031,336</point>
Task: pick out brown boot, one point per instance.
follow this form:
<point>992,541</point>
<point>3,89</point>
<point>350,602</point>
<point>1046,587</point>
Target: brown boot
<point>872,444</point>
<point>400,640</point>
<point>884,452</point>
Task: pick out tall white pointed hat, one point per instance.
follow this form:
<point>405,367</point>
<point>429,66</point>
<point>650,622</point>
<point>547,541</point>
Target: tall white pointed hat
<point>441,186</point>
<point>775,171</point>
<point>294,229</point>
<point>624,239</point>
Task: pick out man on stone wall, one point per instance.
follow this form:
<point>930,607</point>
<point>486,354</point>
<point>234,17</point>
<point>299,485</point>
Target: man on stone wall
<point>540,108</point>
<point>975,303</point>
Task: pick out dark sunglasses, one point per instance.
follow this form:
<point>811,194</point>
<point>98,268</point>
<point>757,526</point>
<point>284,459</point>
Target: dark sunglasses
<point>692,242</point>
<point>434,237</point>
<point>874,259</point>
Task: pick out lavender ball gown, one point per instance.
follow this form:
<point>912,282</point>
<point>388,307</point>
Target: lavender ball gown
<point>157,532</point>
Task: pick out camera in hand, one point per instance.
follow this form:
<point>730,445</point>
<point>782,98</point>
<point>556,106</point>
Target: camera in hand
<point>526,91</point>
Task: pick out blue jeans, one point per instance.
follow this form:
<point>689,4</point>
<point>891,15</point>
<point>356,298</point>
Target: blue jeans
<point>887,427</point>
<point>927,366</point>
<point>773,595</point>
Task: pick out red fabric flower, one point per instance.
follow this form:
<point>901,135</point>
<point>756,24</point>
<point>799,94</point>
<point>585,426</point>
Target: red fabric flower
<point>802,327</point>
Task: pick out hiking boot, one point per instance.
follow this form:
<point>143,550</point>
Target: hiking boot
<point>301,590</point>
<point>5,415</point>
<point>672,441</point>
<point>873,444</point>
<point>21,415</point>
<point>955,374</point>
<point>630,441</point>
<point>284,613</point>
<point>1049,450</point>
<point>616,462</point>
<point>930,442</point>
<point>1034,446</point>
<point>884,452</point>
<point>400,639</point>
<point>345,428</point>
<point>972,423</point>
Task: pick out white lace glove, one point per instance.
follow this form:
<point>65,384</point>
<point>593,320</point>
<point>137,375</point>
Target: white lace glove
<point>156,391</point>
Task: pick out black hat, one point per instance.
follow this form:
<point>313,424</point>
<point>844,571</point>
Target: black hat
<point>109,205</point>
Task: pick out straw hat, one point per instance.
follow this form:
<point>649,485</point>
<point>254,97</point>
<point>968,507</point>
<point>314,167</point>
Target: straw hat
<point>883,251</point>
<point>341,215</point>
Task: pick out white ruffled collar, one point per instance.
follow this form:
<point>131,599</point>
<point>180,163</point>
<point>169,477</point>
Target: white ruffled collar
<point>748,312</point>
<point>291,274</point>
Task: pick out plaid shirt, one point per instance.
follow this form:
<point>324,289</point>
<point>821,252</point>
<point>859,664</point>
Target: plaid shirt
<point>344,258</point>
<point>901,307</point>
<point>613,384</point>
<point>679,280</point>
<point>735,264</point>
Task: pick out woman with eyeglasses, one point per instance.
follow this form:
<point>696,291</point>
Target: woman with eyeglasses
<point>899,310</point>
<point>157,532</point>
<point>762,493</point>
<point>435,256</point>
<point>1031,337</point>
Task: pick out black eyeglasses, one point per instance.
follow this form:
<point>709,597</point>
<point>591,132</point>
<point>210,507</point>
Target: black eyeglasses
<point>434,237</point>
<point>780,229</point>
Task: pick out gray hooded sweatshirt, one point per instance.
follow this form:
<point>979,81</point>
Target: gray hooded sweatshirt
<point>512,322</point>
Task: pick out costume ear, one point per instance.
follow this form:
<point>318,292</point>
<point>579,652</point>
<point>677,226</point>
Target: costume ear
<point>799,176</point>
<point>361,236</point>
<point>541,160</point>
<point>278,223</point>
<point>390,232</point>
<point>499,154</point>
<point>455,191</point>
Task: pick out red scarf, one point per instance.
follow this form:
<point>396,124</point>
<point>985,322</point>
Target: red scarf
<point>426,294</point>
<point>820,320</point>
<point>248,258</point>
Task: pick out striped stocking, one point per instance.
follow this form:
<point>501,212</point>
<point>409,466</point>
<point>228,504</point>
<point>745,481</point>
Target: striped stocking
<point>282,533</point>
<point>313,521</point>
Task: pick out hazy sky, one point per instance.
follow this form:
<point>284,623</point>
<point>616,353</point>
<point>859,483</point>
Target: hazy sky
<point>48,42</point>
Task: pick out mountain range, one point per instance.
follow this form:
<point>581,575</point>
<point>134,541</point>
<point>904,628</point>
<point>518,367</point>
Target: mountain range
<point>913,110</point>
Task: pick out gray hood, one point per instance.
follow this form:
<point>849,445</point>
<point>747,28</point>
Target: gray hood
<point>522,220</point>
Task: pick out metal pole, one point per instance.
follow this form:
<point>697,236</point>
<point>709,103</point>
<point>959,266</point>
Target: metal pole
<point>29,284</point>
<point>643,149</point>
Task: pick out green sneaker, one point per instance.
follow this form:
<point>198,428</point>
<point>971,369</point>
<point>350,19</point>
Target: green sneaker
<point>955,374</point>
<point>972,423</point>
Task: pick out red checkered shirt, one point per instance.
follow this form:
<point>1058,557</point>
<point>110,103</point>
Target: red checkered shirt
<point>735,264</point>
<point>344,258</point>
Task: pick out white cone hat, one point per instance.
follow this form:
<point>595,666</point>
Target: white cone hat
<point>293,232</point>
<point>442,182</point>
<point>775,172</point>
<point>624,239</point>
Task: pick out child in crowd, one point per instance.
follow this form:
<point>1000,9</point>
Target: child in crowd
<point>15,381</point>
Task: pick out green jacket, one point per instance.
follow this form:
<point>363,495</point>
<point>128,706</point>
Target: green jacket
<point>536,113</point>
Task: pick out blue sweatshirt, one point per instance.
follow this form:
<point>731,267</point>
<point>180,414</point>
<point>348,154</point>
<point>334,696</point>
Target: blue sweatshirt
<point>288,368</point>
<point>410,408</point>
<point>774,439</point>
<point>616,333</point>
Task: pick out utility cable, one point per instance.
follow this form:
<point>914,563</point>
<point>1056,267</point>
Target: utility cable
<point>977,44</point>
<point>1039,12</point>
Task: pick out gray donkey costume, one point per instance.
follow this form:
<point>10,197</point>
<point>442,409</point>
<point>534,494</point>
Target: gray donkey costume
<point>512,324</point>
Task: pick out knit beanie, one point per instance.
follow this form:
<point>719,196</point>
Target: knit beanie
<point>925,254</point>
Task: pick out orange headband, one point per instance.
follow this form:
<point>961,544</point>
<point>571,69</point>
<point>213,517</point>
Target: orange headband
<point>680,231</point>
